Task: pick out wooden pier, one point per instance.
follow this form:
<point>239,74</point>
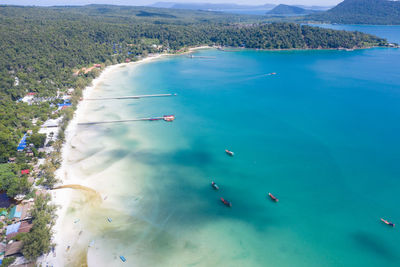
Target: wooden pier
<point>168,118</point>
<point>131,97</point>
<point>204,57</point>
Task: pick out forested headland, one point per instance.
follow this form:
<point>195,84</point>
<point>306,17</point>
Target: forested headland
<point>374,12</point>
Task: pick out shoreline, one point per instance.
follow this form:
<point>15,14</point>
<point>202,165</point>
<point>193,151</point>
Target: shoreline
<point>62,197</point>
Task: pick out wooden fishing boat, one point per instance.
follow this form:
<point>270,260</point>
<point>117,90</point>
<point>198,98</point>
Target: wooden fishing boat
<point>273,197</point>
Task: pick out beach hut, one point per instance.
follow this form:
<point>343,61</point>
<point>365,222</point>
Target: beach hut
<point>25,210</point>
<point>14,248</point>
<point>3,213</point>
<point>2,249</point>
<point>12,229</point>
<point>16,228</point>
<point>22,143</point>
<point>26,171</point>
<point>65,104</point>
<point>15,213</point>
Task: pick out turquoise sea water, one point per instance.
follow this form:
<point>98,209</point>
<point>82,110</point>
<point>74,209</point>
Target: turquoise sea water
<point>322,135</point>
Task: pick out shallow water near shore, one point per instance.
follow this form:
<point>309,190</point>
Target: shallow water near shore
<point>321,135</point>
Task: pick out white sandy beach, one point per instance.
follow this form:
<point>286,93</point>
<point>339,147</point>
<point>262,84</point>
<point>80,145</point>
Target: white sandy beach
<point>64,235</point>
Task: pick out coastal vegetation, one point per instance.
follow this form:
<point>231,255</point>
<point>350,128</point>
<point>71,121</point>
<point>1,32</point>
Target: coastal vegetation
<point>362,12</point>
<point>38,240</point>
<point>49,55</point>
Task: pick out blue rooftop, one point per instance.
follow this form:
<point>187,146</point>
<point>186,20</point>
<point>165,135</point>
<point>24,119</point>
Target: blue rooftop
<point>13,228</point>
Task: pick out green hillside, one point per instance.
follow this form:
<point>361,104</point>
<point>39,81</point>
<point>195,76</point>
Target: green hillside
<point>362,12</point>
<point>288,10</point>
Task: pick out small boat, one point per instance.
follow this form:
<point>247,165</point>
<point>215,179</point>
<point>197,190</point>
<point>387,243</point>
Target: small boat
<point>273,197</point>
<point>387,222</point>
<point>154,119</point>
<point>230,153</point>
<point>169,117</point>
<point>272,73</point>
<point>122,258</point>
<point>77,220</point>
<point>214,185</point>
<point>226,202</point>
<point>109,219</point>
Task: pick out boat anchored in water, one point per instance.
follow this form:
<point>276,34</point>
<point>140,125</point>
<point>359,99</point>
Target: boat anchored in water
<point>387,222</point>
<point>226,202</point>
<point>214,185</point>
<point>273,197</point>
<point>230,153</point>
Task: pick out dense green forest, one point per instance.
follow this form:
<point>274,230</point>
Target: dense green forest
<point>362,12</point>
<point>43,46</point>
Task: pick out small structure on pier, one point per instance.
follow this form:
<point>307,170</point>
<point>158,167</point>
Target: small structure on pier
<point>168,118</point>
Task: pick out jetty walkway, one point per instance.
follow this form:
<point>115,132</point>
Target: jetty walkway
<point>131,97</point>
<point>168,118</point>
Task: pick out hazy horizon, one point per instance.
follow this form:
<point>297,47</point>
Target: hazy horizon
<point>149,2</point>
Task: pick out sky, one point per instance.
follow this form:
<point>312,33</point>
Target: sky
<point>147,2</point>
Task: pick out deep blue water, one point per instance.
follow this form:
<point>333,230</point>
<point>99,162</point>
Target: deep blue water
<point>322,135</point>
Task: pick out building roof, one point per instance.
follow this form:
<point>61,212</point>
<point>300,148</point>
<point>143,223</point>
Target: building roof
<point>25,211</point>
<point>26,171</point>
<point>14,248</point>
<point>23,227</point>
<point>22,143</point>
<point>29,264</point>
<point>12,228</point>
<point>3,213</point>
<point>2,248</point>
<point>65,104</point>
<point>16,212</point>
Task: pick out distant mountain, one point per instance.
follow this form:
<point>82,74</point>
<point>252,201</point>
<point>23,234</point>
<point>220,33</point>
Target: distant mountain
<point>289,10</point>
<point>362,12</point>
<point>163,4</point>
<point>316,8</point>
<point>209,6</point>
<point>223,7</point>
<point>244,9</point>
